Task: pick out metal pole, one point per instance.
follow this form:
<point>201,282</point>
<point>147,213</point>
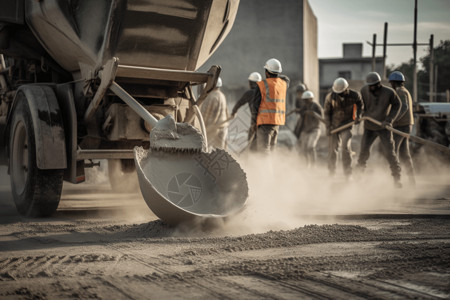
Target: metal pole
<point>374,47</point>
<point>436,68</point>
<point>384,48</point>
<point>431,73</point>
<point>415,53</point>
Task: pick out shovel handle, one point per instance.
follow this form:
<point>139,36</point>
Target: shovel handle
<point>343,127</point>
<point>412,137</point>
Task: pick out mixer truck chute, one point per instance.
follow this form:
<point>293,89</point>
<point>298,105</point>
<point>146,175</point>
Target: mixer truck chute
<point>83,80</point>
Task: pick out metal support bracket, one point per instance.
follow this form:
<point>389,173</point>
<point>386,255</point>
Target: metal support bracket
<point>107,75</point>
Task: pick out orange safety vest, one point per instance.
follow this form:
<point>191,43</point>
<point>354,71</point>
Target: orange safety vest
<point>272,110</point>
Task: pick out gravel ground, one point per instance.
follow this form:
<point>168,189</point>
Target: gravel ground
<point>100,246</point>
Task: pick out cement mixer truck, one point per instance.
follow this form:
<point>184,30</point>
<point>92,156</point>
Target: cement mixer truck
<point>82,80</point>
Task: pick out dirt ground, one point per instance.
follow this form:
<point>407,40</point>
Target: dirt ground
<point>103,245</point>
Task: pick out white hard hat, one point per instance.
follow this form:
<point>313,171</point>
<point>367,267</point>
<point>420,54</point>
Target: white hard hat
<point>255,77</point>
<point>273,65</point>
<point>308,95</point>
<point>219,82</point>
<point>340,85</point>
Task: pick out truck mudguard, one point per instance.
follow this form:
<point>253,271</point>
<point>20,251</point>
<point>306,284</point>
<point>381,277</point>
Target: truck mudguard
<point>47,123</point>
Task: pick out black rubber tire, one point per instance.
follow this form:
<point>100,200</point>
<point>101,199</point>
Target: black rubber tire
<point>36,192</point>
<point>123,176</point>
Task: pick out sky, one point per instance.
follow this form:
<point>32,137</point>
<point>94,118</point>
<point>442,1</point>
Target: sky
<point>355,21</point>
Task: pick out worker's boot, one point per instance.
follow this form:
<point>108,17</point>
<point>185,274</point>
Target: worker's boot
<point>348,175</point>
<point>397,183</point>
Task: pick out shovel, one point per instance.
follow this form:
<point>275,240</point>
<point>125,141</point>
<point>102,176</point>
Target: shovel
<point>179,180</point>
<point>343,127</point>
<point>411,137</point>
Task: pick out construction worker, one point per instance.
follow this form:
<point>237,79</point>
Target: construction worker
<point>248,97</point>
<point>382,104</point>
<point>311,114</point>
<point>301,88</point>
<point>270,105</point>
<point>404,123</point>
<point>342,106</point>
<point>215,114</point>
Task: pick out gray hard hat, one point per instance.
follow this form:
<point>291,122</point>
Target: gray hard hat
<point>301,87</point>
<point>373,78</point>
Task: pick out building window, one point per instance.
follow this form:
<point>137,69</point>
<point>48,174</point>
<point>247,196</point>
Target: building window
<point>345,74</point>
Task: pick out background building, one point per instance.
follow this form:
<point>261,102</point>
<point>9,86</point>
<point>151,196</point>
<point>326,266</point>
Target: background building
<point>263,29</point>
<point>353,67</point>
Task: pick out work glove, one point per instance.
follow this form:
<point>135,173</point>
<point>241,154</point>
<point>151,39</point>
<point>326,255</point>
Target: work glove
<point>357,120</point>
<point>385,124</point>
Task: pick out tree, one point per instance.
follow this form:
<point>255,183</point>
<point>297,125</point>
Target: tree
<point>441,59</point>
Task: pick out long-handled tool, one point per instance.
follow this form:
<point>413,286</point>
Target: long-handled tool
<point>411,137</point>
<point>343,127</point>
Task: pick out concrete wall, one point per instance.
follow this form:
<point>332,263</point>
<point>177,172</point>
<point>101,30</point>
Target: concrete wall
<point>310,53</point>
<point>286,30</point>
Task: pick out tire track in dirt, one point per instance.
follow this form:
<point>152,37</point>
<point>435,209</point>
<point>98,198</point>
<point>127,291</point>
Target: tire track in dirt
<point>398,289</point>
<point>364,288</point>
<point>213,288</point>
<point>238,287</point>
<point>343,286</point>
<point>51,265</point>
<point>279,288</point>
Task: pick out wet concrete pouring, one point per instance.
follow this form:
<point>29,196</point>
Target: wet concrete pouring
<point>104,245</point>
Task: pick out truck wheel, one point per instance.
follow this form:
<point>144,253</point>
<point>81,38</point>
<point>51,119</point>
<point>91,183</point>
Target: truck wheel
<point>36,192</point>
<point>122,175</point>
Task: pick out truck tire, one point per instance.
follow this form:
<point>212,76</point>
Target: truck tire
<point>36,192</point>
<point>122,175</point>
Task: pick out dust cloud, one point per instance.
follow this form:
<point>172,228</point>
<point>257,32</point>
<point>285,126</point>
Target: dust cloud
<point>285,194</point>
<point>96,198</point>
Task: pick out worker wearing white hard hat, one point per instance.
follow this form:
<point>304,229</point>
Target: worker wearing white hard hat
<point>247,98</point>
<point>342,106</point>
<point>300,89</point>
<point>308,132</point>
<point>253,78</point>
<point>214,111</point>
<point>270,105</point>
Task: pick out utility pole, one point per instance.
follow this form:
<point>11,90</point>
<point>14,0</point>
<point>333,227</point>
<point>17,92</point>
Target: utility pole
<point>415,53</point>
<point>432,91</point>
<point>374,51</point>
<point>384,48</point>
<point>435,82</point>
<point>433,79</point>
